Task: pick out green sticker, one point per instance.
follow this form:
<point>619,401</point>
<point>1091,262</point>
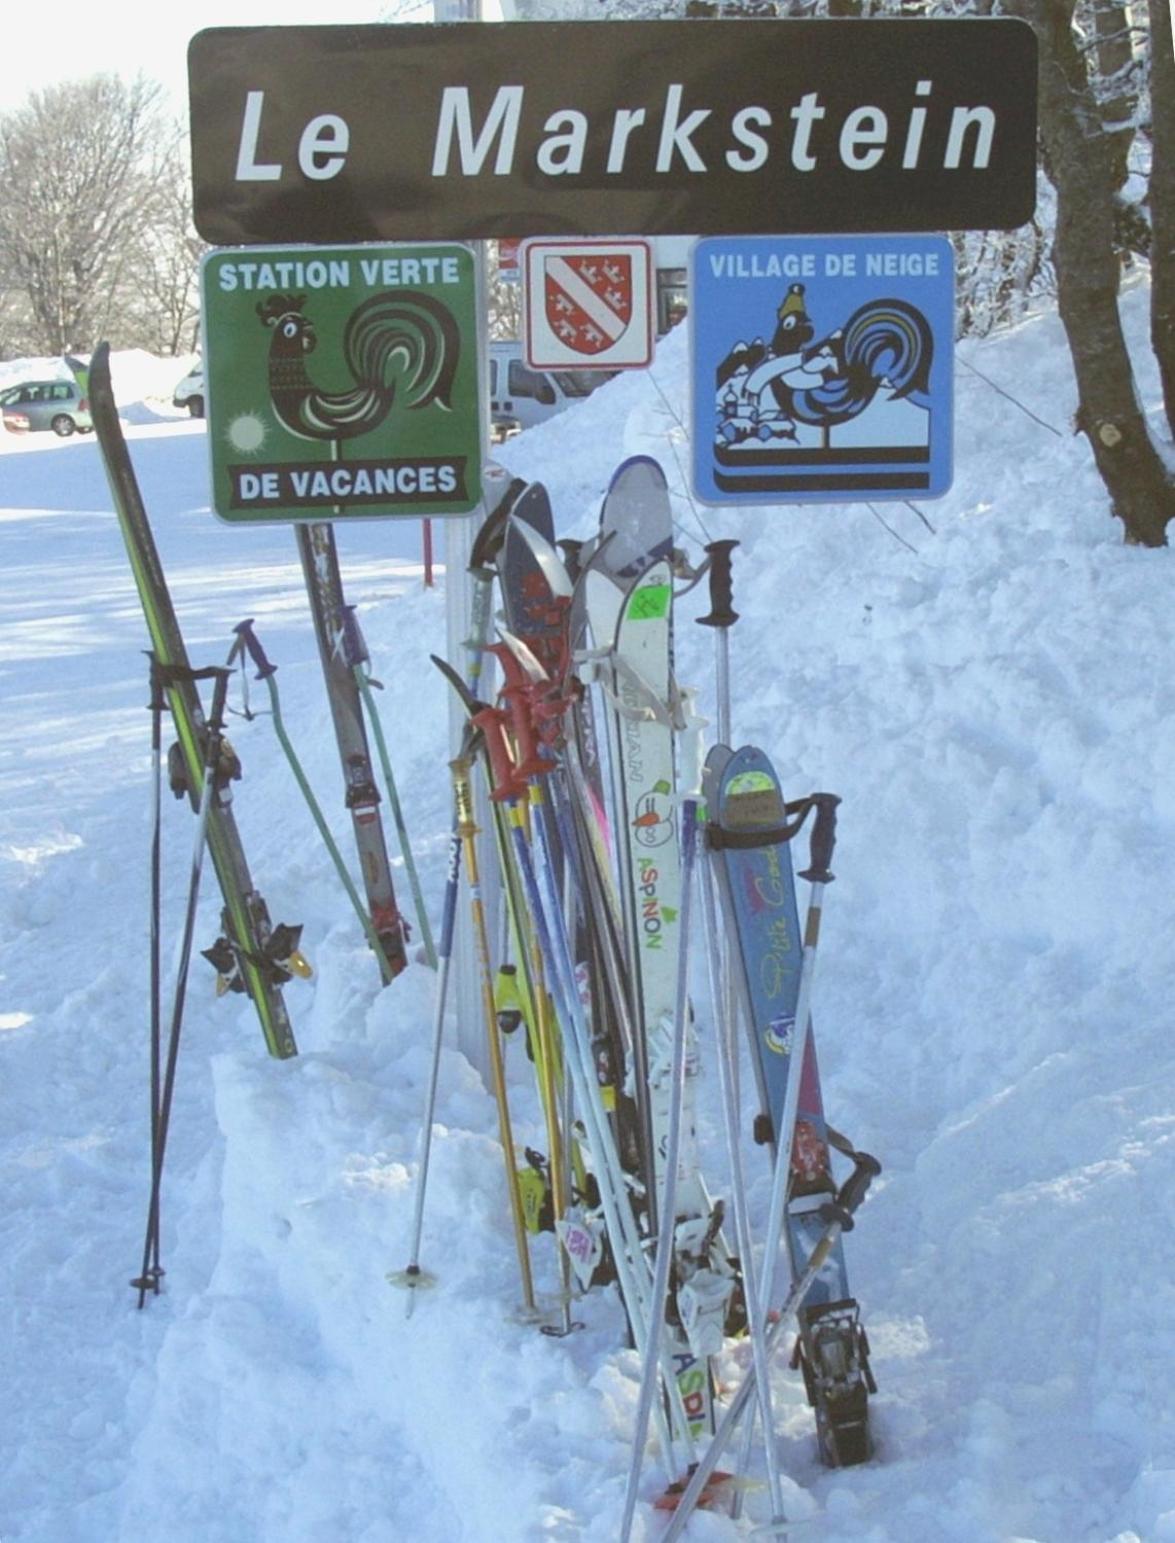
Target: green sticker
<point>750,782</point>
<point>650,603</point>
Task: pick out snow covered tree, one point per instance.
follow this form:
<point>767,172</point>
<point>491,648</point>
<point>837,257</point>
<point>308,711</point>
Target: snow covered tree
<point>1085,165</point>
<point>158,305</point>
<point>79,163</point>
<point>1162,202</point>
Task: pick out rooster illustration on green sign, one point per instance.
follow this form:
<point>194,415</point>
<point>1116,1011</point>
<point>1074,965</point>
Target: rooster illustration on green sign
<point>341,397</point>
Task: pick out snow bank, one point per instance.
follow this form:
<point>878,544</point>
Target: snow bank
<point>986,681</point>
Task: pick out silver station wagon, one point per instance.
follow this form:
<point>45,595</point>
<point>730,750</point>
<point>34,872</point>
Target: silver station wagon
<point>48,404</point>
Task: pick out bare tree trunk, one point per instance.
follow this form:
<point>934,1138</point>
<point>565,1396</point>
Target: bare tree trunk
<point>1082,168</point>
<point>1113,52</point>
<point>1162,203</point>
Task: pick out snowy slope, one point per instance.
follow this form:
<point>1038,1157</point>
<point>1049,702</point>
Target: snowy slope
<point>993,698</point>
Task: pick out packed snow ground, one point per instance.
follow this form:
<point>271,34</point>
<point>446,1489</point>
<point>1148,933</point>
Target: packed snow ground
<point>991,693</point>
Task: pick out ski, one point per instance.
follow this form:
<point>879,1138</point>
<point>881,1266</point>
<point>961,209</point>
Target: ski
<point>324,586</point>
<point>252,955</point>
<point>749,834</point>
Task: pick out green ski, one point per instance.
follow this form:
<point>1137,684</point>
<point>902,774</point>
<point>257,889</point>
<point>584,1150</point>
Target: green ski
<point>252,955</point>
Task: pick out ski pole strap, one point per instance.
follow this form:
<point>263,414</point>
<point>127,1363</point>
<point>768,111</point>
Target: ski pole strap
<point>183,674</point>
<point>252,644</point>
<point>722,612</point>
<point>719,837</point>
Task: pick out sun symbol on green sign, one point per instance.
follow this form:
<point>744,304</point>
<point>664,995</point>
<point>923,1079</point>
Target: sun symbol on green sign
<point>247,433</point>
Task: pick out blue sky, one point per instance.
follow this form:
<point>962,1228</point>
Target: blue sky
<point>150,35</point>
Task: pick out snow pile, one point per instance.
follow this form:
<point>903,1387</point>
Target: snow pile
<point>138,377</point>
<point>988,686</point>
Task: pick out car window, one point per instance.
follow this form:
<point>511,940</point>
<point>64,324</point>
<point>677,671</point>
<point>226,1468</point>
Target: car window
<point>577,382</point>
<point>10,397</point>
<point>524,382</point>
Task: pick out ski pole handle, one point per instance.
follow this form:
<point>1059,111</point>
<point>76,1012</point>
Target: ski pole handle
<point>722,611</point>
<point>823,840</point>
<point>512,671</point>
<point>852,1192</point>
<point>244,630</point>
<point>220,679</point>
<point>508,785</point>
<point>519,703</point>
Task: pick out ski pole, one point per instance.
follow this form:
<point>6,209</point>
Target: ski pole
<point>722,616</point>
<point>413,1276</point>
<point>248,641</point>
<point>148,1279</point>
<point>838,1216</point>
<point>461,767</point>
<point>631,1265</point>
<point>355,651</point>
<point>152,1268</point>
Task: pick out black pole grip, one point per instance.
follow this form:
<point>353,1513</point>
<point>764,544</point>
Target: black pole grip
<point>158,701</point>
<point>244,630</point>
<point>823,840</point>
<point>220,679</point>
<point>722,611</point>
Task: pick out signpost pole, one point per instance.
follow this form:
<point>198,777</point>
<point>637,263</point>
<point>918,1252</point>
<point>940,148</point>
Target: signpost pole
<point>458,581</point>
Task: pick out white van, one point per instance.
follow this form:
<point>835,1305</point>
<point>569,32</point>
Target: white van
<point>521,397</point>
<point>190,392</point>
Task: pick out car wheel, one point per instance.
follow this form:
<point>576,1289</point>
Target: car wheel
<point>196,406</point>
<point>63,425</point>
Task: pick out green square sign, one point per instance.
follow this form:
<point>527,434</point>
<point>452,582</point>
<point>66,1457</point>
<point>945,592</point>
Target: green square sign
<point>342,382</point>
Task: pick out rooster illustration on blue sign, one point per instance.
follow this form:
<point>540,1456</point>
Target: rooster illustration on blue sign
<point>822,368</point>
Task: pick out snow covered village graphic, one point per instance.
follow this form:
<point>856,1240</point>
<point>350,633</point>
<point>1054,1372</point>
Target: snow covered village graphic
<point>825,387</point>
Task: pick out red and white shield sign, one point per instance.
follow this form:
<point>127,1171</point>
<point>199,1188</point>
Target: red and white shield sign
<point>588,299</point>
<point>588,304</point>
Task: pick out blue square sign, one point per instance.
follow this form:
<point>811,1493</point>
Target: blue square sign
<point>822,368</point>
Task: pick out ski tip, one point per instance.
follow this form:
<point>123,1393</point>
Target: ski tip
<point>652,469</point>
<point>488,540</point>
<point>544,554</point>
<point>100,365</point>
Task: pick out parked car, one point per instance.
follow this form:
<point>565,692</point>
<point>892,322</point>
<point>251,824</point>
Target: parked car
<point>190,392</point>
<point>49,404</point>
<point>521,397</point>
